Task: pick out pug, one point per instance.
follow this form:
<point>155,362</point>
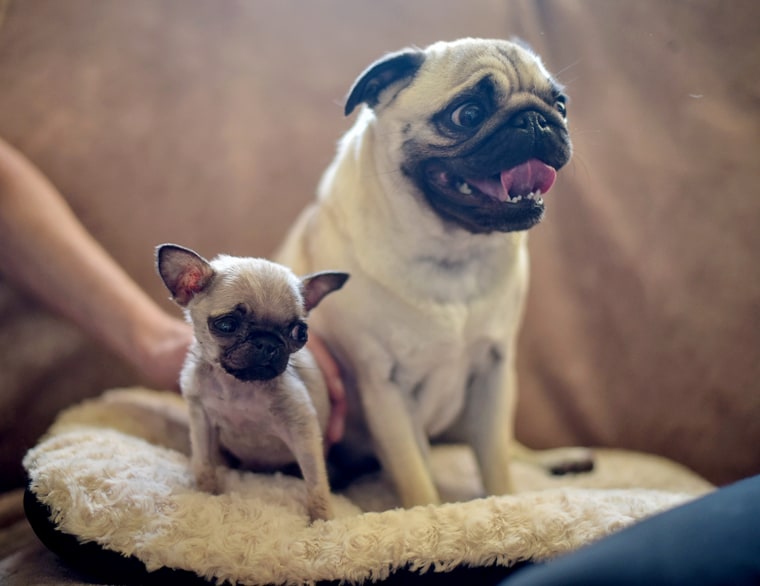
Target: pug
<point>427,204</point>
<point>255,395</point>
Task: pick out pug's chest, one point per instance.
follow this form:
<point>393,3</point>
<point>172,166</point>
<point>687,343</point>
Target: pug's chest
<point>246,428</point>
<point>227,410</point>
<point>437,385</point>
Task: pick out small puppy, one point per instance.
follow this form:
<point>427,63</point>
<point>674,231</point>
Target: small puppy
<point>427,204</point>
<point>254,393</point>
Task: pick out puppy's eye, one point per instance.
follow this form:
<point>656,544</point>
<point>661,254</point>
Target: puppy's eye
<point>469,115</point>
<point>225,325</point>
<point>299,332</point>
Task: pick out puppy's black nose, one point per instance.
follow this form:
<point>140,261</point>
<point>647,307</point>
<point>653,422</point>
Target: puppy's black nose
<point>266,348</point>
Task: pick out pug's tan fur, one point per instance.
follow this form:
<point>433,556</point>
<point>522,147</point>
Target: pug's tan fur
<point>254,392</point>
<point>426,332</point>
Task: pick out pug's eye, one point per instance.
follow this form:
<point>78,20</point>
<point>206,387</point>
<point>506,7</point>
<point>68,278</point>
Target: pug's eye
<point>561,106</point>
<point>469,115</point>
<point>225,325</point>
<point>299,332</point>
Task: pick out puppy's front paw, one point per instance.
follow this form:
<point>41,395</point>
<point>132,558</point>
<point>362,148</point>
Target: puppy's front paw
<point>319,508</point>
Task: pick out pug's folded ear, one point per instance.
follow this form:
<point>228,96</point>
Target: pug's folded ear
<point>395,69</point>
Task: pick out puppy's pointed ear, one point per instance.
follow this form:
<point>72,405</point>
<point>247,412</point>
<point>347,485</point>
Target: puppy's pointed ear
<point>392,69</point>
<point>184,272</point>
<point>315,287</point>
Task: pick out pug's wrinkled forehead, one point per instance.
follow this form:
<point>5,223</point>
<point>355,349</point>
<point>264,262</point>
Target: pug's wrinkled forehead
<point>445,70</point>
<point>502,68</point>
<point>268,292</point>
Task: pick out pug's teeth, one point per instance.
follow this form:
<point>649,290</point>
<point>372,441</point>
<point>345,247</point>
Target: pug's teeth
<point>534,196</point>
<point>464,187</point>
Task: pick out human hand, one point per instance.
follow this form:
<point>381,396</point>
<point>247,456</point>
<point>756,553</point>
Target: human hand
<point>161,353</point>
<point>335,389</point>
<point>161,349</point>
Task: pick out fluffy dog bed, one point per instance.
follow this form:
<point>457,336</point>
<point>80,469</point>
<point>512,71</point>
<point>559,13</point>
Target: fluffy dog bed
<point>110,488</point>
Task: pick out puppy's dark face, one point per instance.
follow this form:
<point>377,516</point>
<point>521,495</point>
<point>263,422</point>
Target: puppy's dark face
<point>247,313</point>
<point>482,129</point>
<point>250,316</point>
<point>251,349</point>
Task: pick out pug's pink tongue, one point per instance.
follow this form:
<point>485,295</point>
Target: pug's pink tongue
<point>526,178</point>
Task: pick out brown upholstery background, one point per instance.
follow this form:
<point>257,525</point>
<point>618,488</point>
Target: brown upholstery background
<point>208,123</point>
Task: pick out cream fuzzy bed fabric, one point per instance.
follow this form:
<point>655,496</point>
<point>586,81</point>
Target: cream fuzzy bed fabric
<point>115,471</point>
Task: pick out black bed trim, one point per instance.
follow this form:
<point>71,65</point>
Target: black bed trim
<point>111,567</point>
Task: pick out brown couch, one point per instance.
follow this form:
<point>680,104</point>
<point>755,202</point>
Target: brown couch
<point>208,124</point>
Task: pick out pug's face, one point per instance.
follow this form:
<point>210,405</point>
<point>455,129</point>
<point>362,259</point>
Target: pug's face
<point>248,314</point>
<point>477,127</point>
<point>250,319</point>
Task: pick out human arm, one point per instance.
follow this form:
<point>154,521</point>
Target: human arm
<point>45,250</point>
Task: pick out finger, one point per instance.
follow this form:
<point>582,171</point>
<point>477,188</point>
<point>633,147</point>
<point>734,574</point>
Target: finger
<point>337,423</point>
<point>335,389</point>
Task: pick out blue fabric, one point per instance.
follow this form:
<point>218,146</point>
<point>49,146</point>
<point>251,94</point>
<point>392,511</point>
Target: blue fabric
<point>712,540</point>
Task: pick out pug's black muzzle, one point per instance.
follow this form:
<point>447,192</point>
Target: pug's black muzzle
<point>262,355</point>
<point>452,179</point>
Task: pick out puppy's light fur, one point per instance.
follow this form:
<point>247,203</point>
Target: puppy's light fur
<point>254,393</point>
<point>426,332</point>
